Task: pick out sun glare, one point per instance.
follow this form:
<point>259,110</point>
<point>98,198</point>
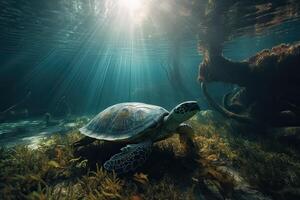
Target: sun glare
<point>132,5</point>
<point>137,10</point>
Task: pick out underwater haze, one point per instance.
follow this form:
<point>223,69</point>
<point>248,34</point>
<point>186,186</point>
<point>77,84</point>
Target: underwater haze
<point>98,53</point>
<point>95,54</point>
<point>64,61</point>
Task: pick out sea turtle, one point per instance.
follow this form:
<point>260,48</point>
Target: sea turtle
<point>137,126</point>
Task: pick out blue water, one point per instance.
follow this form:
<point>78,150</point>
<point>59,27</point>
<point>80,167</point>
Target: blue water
<point>97,53</point>
<point>64,61</point>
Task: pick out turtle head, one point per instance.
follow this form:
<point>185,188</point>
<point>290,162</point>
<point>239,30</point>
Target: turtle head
<point>183,112</point>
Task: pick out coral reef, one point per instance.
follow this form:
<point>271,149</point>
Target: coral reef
<point>228,166</point>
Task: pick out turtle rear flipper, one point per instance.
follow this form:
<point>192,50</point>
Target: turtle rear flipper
<point>131,157</point>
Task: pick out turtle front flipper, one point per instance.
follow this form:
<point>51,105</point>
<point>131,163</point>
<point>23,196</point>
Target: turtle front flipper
<point>131,157</point>
<point>186,133</point>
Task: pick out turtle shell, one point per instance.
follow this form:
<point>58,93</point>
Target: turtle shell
<point>123,121</point>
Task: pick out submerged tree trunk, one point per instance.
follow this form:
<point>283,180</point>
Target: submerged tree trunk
<point>270,80</point>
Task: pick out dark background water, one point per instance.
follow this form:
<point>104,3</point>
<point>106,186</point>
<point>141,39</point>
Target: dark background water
<point>92,54</point>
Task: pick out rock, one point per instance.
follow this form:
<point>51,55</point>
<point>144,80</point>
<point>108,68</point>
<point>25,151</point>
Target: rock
<point>212,190</point>
<point>287,135</point>
<point>246,193</point>
<point>242,190</point>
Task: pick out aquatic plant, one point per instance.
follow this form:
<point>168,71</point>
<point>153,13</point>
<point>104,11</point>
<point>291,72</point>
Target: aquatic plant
<point>271,170</point>
<point>262,161</point>
<point>27,169</point>
<point>227,162</point>
<point>51,171</point>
